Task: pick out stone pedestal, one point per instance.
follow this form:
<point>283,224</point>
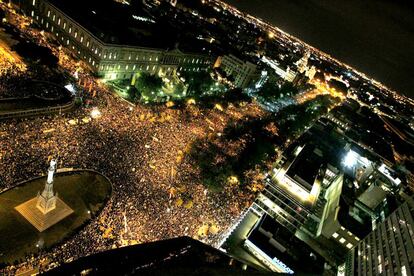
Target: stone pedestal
<point>42,221</point>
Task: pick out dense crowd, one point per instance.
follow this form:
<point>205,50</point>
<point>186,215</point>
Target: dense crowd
<point>143,151</point>
<point>157,190</point>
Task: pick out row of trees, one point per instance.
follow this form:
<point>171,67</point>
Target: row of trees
<point>248,145</point>
<point>271,91</point>
<point>149,87</point>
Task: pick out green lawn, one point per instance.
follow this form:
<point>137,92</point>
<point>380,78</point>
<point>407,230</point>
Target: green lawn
<point>82,191</point>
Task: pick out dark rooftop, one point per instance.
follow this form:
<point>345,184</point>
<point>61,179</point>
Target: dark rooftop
<point>178,256</point>
<point>305,167</point>
<point>121,24</point>
<point>273,239</point>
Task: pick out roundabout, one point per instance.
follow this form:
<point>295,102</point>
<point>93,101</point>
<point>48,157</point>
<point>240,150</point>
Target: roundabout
<point>84,193</point>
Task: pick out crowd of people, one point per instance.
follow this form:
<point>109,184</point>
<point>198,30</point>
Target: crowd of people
<point>157,189</point>
<point>142,150</point>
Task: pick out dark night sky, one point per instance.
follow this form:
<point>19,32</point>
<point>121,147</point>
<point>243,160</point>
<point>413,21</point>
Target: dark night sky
<point>374,36</point>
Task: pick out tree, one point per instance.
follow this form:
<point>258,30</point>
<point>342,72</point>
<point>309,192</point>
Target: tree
<point>272,92</point>
<point>148,85</point>
<point>199,82</point>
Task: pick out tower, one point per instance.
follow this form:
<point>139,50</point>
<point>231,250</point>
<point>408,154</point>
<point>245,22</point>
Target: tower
<point>45,209</point>
<point>46,201</point>
<point>311,72</point>
<point>302,64</point>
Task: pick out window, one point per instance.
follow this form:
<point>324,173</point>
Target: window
<point>34,2</point>
<point>342,240</point>
<point>70,29</point>
<point>81,39</point>
<point>76,34</point>
<point>59,21</point>
<point>64,25</point>
<point>48,13</point>
<point>349,245</point>
<point>54,17</point>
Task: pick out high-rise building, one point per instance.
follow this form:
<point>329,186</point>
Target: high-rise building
<point>388,249</point>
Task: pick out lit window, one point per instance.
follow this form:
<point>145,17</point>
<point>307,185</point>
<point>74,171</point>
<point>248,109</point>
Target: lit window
<point>335,235</point>
<point>126,67</point>
<point>67,42</point>
<point>87,44</point>
<point>76,34</point>
<point>70,29</point>
<point>34,2</point>
<point>342,240</point>
<point>54,17</point>
<point>81,40</point>
<point>64,25</point>
<point>48,13</point>
<point>58,21</point>
<point>349,245</point>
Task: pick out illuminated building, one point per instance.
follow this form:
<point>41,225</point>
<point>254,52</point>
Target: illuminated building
<point>302,64</point>
<point>303,193</point>
<point>111,39</point>
<point>287,74</point>
<point>311,72</point>
<point>242,72</point>
<point>387,250</point>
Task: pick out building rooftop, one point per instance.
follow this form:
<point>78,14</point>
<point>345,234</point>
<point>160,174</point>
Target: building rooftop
<point>276,241</point>
<point>131,25</point>
<point>178,256</point>
<point>305,168</point>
